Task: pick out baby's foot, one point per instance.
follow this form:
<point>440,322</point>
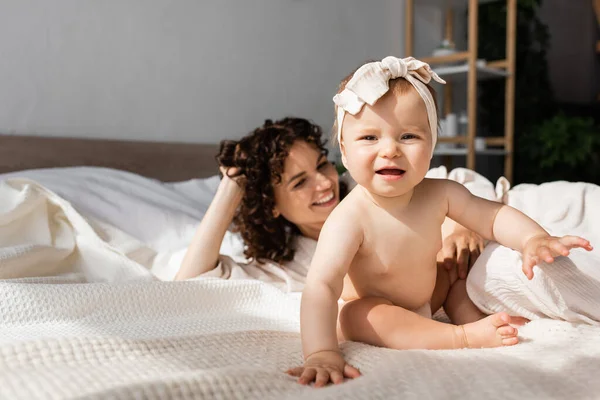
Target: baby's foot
<point>492,331</point>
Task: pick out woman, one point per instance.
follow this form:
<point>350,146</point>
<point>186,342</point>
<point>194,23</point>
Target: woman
<point>279,188</point>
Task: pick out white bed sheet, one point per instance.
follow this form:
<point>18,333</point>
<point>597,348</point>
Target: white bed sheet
<point>162,215</point>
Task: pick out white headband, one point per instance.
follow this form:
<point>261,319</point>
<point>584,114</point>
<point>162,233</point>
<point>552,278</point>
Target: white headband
<point>371,81</point>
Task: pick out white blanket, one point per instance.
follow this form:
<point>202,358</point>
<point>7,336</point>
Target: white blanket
<point>567,289</point>
<point>80,316</point>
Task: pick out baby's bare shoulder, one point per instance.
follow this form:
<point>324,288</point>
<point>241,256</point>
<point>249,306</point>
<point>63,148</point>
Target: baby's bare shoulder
<point>435,187</point>
<point>344,218</point>
<point>346,210</point>
<point>435,183</point>
<point>444,191</point>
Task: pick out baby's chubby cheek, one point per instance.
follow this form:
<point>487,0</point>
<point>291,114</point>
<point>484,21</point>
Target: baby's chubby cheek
<point>358,170</point>
<point>365,178</point>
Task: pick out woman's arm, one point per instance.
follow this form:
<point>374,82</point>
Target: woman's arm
<point>203,253</point>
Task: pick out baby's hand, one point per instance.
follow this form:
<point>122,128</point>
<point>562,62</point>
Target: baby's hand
<point>545,248</point>
<point>324,367</point>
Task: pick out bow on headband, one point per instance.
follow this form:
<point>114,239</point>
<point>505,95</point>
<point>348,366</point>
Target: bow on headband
<point>371,81</point>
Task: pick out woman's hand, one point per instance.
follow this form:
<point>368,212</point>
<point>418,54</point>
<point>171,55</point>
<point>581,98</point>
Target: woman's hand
<point>231,173</point>
<point>460,249</point>
<point>324,367</point>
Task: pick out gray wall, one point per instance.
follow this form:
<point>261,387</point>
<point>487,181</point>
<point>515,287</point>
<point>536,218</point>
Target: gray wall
<point>185,70</point>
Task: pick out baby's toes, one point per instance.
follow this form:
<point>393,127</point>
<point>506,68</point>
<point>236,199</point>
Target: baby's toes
<point>507,331</point>
<point>518,320</point>
<point>510,341</point>
<point>500,319</point>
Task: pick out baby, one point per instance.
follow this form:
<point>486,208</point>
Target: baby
<point>377,250</point>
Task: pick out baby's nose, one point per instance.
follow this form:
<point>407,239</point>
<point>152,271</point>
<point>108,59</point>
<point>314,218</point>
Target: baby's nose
<point>389,149</point>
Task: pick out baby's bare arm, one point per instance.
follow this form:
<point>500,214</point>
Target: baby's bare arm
<point>339,241</point>
<point>494,221</point>
<point>509,227</point>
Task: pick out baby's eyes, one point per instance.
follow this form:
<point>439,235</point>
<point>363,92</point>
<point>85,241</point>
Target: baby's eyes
<point>368,137</point>
<point>408,136</point>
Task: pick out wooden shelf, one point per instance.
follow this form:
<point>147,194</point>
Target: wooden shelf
<point>464,66</point>
<point>495,141</point>
<point>449,3</point>
<point>462,139</point>
<point>498,64</point>
<point>465,151</point>
<point>455,139</point>
<point>460,56</point>
<point>459,72</point>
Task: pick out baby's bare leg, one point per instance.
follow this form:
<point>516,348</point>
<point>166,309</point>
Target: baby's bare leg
<point>443,282</point>
<point>378,322</point>
<point>459,307</point>
<point>451,292</point>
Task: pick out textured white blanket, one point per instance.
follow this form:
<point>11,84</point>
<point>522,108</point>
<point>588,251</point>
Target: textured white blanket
<point>567,289</point>
<point>79,319</point>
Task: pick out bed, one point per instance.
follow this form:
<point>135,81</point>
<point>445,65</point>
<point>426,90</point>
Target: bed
<point>87,309</point>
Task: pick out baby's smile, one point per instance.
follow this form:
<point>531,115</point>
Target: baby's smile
<point>391,173</point>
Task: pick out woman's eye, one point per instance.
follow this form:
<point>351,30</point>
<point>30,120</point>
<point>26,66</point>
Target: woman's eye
<point>300,183</point>
<point>323,165</point>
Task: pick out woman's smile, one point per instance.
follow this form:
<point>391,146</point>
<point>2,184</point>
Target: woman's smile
<point>328,200</point>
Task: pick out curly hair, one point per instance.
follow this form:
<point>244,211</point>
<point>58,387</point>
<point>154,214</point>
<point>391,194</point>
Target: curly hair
<point>259,158</point>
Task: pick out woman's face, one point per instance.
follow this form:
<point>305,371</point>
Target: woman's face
<point>309,189</point>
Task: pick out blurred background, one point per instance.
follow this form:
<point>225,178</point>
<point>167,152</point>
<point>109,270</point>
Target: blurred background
<point>202,71</point>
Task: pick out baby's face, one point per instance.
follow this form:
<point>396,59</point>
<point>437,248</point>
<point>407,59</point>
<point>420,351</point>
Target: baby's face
<point>387,147</point>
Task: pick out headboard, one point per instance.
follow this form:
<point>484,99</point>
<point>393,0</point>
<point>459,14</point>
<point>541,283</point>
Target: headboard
<point>167,162</point>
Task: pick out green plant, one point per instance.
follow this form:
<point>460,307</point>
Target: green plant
<point>340,168</point>
<point>562,148</point>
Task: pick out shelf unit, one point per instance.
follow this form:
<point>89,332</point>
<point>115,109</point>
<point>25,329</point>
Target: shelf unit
<point>472,72</point>
<point>456,72</point>
<point>463,151</point>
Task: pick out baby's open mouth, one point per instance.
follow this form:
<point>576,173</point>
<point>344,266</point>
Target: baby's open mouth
<point>390,171</point>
